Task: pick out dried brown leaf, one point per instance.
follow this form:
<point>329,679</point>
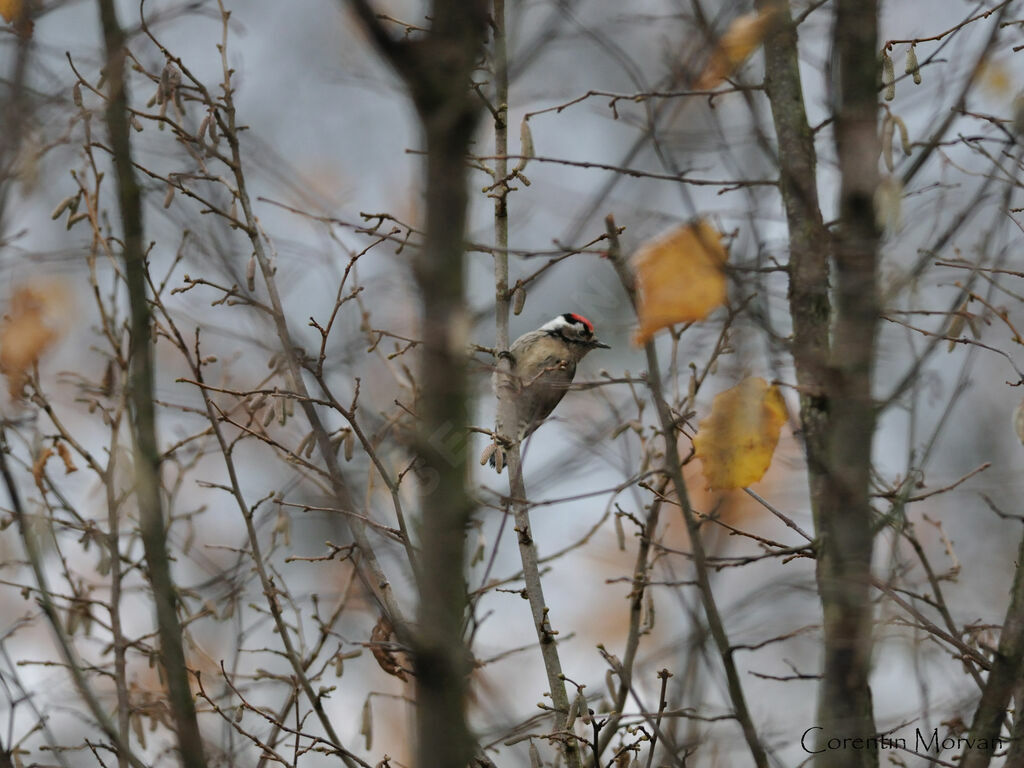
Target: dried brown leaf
<point>26,331</point>
<point>65,455</point>
<point>39,467</point>
<point>379,637</point>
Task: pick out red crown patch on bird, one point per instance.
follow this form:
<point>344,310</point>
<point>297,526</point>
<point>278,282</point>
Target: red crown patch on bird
<point>582,319</point>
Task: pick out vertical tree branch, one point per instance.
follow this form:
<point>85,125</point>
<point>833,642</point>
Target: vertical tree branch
<point>1015,754</point>
<point>15,108</point>
<point>501,297</point>
<point>1003,679</point>
<point>147,454</point>
<point>844,511</point>
<point>809,242</point>
<point>534,589</point>
<point>638,587</point>
<point>437,69</point>
<point>441,658</point>
<point>517,487</point>
<point>120,643</point>
<point>837,412</point>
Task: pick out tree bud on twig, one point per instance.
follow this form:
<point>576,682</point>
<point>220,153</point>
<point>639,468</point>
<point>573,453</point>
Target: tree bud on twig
<point>888,77</point>
<point>62,206</point>
<point>913,68</point>
<point>72,220</point>
<point>518,300</point>
<point>525,146</point>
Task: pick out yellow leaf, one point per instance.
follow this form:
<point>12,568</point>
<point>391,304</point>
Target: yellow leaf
<point>26,332</point>
<point>996,78</point>
<point>680,278</point>
<point>10,9</point>
<point>736,442</point>
<point>739,41</point>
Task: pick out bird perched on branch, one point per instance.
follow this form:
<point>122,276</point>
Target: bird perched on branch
<point>542,364</point>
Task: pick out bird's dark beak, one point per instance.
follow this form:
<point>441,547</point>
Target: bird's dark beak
<point>601,344</point>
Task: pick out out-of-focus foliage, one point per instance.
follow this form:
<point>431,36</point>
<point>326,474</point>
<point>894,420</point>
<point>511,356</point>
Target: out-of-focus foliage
<point>27,330</point>
<point>11,9</point>
<point>740,40</point>
<point>680,277</point>
<point>735,443</point>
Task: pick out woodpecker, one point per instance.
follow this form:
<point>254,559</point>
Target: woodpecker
<point>542,364</point>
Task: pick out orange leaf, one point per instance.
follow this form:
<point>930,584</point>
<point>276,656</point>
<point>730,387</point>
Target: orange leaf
<point>680,278</point>
<point>25,333</point>
<point>739,41</point>
<point>736,442</point>
<point>15,12</point>
<point>65,456</point>
<point>39,467</point>
<point>11,9</point>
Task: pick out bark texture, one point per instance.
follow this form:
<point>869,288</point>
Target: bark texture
<point>143,413</point>
<point>437,69</point>
<point>834,350</point>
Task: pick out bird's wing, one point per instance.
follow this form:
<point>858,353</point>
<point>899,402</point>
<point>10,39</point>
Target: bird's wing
<point>543,387</point>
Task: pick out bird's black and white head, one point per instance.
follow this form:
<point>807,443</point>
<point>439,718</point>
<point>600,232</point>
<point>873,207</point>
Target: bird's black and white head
<point>575,330</point>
